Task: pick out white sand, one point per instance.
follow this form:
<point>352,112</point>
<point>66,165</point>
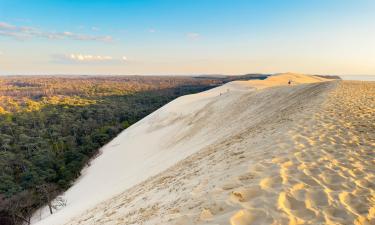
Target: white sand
<point>258,152</point>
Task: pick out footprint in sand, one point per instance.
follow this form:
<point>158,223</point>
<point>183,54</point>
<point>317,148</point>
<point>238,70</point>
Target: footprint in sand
<point>255,216</point>
<point>270,182</point>
<point>246,194</point>
<point>354,204</point>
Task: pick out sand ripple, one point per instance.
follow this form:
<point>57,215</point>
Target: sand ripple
<point>328,177</point>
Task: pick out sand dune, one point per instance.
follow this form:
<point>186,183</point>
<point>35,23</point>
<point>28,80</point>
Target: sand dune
<point>299,154</point>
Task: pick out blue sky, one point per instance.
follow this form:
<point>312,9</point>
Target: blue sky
<point>187,36</point>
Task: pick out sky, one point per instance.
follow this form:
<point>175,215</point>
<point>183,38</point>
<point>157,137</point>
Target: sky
<point>187,36</point>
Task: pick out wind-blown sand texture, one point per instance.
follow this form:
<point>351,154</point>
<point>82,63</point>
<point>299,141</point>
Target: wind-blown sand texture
<point>299,154</point>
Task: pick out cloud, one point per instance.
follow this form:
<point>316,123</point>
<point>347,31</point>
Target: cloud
<point>16,32</point>
<point>95,28</point>
<point>80,57</point>
<point>88,58</point>
<point>193,36</point>
<point>151,30</point>
<point>6,26</point>
<point>22,33</point>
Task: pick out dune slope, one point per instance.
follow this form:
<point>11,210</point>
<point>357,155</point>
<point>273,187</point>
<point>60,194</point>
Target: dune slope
<point>175,131</point>
<point>249,152</point>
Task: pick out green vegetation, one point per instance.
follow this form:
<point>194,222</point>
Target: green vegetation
<point>51,127</point>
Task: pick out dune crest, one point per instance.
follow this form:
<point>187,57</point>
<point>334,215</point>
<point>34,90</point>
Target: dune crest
<point>282,79</point>
<point>295,78</point>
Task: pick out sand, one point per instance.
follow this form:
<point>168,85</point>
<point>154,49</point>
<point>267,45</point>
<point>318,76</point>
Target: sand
<point>299,154</point>
<point>328,176</point>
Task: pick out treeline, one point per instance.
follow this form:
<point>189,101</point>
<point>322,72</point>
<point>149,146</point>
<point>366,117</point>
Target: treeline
<point>37,86</point>
<point>43,150</point>
<point>17,93</point>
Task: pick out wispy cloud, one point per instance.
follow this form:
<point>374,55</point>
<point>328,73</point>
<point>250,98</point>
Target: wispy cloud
<point>151,30</point>
<point>80,57</point>
<point>6,26</point>
<point>193,36</point>
<point>88,58</point>
<point>22,33</point>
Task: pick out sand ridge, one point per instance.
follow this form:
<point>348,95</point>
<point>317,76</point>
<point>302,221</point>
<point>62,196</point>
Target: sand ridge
<point>282,79</point>
<point>301,154</point>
